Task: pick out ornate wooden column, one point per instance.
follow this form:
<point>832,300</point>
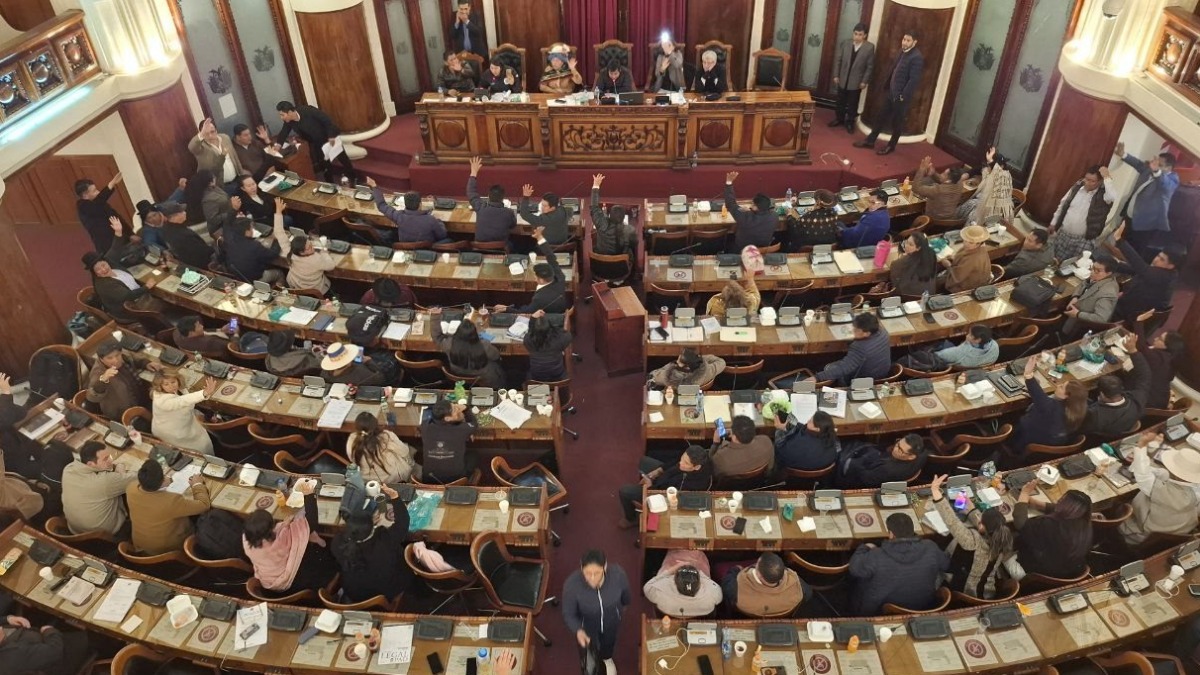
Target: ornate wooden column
<point>340,59</point>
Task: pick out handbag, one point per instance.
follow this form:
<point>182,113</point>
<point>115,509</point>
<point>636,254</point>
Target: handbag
<point>1034,293</point>
<point>590,662</point>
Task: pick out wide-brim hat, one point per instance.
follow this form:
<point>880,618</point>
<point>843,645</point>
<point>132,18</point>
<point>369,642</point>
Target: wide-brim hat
<point>1183,463</point>
<point>339,355</point>
<point>975,234</point>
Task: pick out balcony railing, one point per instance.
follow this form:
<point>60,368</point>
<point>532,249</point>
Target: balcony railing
<point>43,64</point>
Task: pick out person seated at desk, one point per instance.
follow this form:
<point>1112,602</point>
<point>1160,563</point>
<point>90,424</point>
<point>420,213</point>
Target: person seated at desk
<point>251,151</point>
<point>710,79</point>
<point>258,205</point>
<point>207,201</point>
<point>545,343</point>
<point>25,649</point>
<point>389,293</point>
<point>551,293</point>
<point>668,68</point>
<point>190,336</point>
<point>743,294</point>
<point>1035,255</point>
<point>456,78</point>
<point>693,473</point>
<point>175,417</point>
<point>1119,405</point>
<point>744,450</point>
<point>16,495</point>
<point>184,244</point>
<point>161,520</point>
<point>969,267</point>
<point>872,227</point>
<point>214,153</point>
<point>756,226</point>
<point>341,365</point>
<point>914,272</point>
<point>93,490</point>
<point>466,353</point>
<point>904,569</point>
<point>1056,543</point>
<point>942,191</point>
<point>1049,420</point>
<point>1152,284</point>
<point>412,224</point>
<point>612,234</point>
<point>978,349</point>
<point>289,556</point>
<point>818,226</point>
<point>560,76</point>
<point>807,447</point>
<point>869,355</point>
<point>551,217</point>
<point>369,549</point>
<point>152,218</point>
<point>285,359</point>
<point>978,548</point>
<point>1094,301</point>
<point>682,590</point>
<point>1165,353</point>
<point>688,368</point>
<point>114,287</point>
<point>1168,499</point>
<point>445,430</point>
<point>306,265</point>
<point>866,465</point>
<point>614,79</point>
<point>246,257</point>
<point>21,454</point>
<point>113,383</point>
<point>768,589</point>
<point>500,78</point>
<point>493,220</point>
<point>379,453</point>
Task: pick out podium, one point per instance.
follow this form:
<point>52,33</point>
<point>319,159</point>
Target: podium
<point>620,321</point>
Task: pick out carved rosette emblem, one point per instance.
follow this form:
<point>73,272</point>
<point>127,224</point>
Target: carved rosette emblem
<point>984,57</point>
<point>1032,79</point>
<point>814,40</point>
<point>783,35</point>
<point>613,138</point>
<point>220,80</point>
<point>264,58</point>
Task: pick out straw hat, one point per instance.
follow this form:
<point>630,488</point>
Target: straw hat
<point>339,355</point>
<point>1183,464</point>
<point>975,234</point>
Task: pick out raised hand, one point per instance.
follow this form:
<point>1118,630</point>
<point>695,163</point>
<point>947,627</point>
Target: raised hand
<point>371,183</point>
<point>116,225</point>
<point>572,62</point>
<point>263,134</point>
<point>527,190</point>
<point>5,385</point>
<point>236,203</point>
<point>731,176</point>
<point>597,179</point>
<point>210,386</point>
<point>116,180</point>
<point>279,205</point>
<point>1120,151</point>
<point>476,165</point>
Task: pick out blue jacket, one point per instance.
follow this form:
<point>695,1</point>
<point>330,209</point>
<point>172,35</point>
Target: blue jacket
<point>1150,208</point>
<point>871,229</point>
<point>797,448</point>
<point>868,357</point>
<point>905,76</point>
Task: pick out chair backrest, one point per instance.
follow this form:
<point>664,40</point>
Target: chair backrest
<point>474,59</point>
<point>412,245</point>
<point>1057,450</point>
<point>942,602</point>
<point>509,55</point>
<point>488,553</point>
<point>137,418</point>
<point>709,242</point>
<point>724,52</point>
<point>189,550</point>
<point>664,243</point>
<point>363,230</point>
<point>746,480</point>
<point>609,267</point>
<point>769,70</point>
<point>608,50</point>
<point>254,589</point>
<point>442,582</point>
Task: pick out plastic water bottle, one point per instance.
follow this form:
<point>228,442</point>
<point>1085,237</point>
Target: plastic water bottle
<point>700,405</point>
<point>726,649</point>
<point>924,300</point>
<point>788,196</point>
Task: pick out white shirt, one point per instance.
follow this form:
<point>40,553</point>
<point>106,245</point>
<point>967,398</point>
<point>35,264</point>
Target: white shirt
<point>1074,221</point>
<point>1145,474</point>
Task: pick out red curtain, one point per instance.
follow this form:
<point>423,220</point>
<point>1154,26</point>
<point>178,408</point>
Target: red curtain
<point>647,20</point>
<point>590,22</point>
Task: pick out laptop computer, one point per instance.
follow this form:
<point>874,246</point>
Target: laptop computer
<point>314,387</point>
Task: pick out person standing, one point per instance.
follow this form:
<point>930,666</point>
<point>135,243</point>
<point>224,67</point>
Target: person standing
<point>466,34</point>
<point>215,152</point>
<point>902,86</point>
<point>94,211</point>
<point>1082,213</point>
<point>851,74</point>
<point>1147,208</point>
<point>593,599</point>
<point>316,128</point>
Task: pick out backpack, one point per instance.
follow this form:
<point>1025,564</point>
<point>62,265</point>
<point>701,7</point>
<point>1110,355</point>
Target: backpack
<point>52,374</point>
<point>1034,293</point>
<point>253,343</point>
<point>219,535</point>
<point>83,324</point>
<point>366,325</point>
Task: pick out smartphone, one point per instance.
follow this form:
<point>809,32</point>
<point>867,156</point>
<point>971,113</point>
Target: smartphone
<point>721,427</point>
<point>358,359</point>
<point>233,325</point>
<point>929,317</point>
<point>739,525</point>
<point>662,333</point>
<point>705,664</point>
<point>435,663</point>
<point>472,666</point>
<point>1194,590</point>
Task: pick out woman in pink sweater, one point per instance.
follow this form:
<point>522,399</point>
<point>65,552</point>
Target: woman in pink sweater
<point>288,556</point>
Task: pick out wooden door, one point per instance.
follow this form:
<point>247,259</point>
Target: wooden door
<point>402,33</point>
<point>531,24</point>
<point>43,193</point>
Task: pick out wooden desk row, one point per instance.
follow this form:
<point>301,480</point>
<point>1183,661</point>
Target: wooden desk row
<point>285,405</point>
<point>450,524</point>
<point>211,642</point>
<point>944,407</point>
<point>1043,638</point>
<point>823,337</point>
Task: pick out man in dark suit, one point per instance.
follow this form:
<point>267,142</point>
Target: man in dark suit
<point>316,128</point>
<point>466,33</point>
<point>902,86</point>
<point>614,79</point>
<point>1147,208</point>
<point>851,74</point>
<point>551,293</point>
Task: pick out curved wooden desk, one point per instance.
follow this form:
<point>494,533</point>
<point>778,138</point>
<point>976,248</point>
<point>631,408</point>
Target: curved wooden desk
<point>1044,637</point>
<point>211,642</point>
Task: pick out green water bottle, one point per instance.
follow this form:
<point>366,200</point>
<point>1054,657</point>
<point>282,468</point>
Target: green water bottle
<point>460,392</point>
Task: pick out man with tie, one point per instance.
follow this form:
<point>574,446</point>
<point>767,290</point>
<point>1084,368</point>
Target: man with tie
<point>467,32</point>
<point>1147,209</point>
<point>851,74</point>
<point>902,86</point>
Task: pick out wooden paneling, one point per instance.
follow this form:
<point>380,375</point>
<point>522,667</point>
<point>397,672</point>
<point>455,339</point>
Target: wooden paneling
<point>1063,157</point>
<point>343,73</point>
<point>531,24</point>
<point>27,314</point>
<point>43,193</point>
<point>933,26</point>
<point>25,14</point>
<point>159,127</point>
<point>727,21</point>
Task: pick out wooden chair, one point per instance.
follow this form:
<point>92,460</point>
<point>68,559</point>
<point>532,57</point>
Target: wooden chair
<point>1115,516</point>
<point>534,474</point>
<point>474,59</point>
<point>1155,415</point>
<point>611,269</point>
<point>1014,344</point>
<point>747,480</point>
<point>452,246</point>
<point>1018,197</point>
<point>56,526</point>
<point>746,376</point>
<point>254,589</point>
<point>217,566</point>
<point>490,246</point>
<point>785,380</point>
<point>786,290</point>
<point>323,461</point>
<point>710,242</point>
<point>666,243</point>
<point>1034,582</point>
<point>943,224</point>
<point>997,273</point>
<point>1006,590</point>
<point>912,373</point>
<point>329,596</point>
<point>918,225</point>
<point>1043,451</point>
<point>422,373</point>
<point>452,377</point>
<point>473,479</point>
<point>723,51</point>
<point>835,574</point>
<point>412,245</point>
<point>773,248</point>
<point>768,70</point>
<point>87,299</point>
<point>67,352</point>
<point>893,375</point>
<point>607,51</point>
<point>137,418</point>
<point>671,298</point>
<point>941,603</point>
<point>295,443</point>
<point>939,458</point>
<point>509,55</point>
<point>1097,439</point>
<point>134,659</point>
<point>230,434</point>
<point>490,555</point>
<point>166,336</point>
<point>167,565</point>
<point>247,359</point>
<point>452,584</point>
<point>803,479</point>
<point>976,441</point>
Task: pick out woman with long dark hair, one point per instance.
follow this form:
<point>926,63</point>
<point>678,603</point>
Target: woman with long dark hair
<point>193,194</point>
<point>467,353</point>
<point>807,447</point>
<point>977,554</point>
<point>545,343</point>
<point>379,453</point>
<point>1049,420</point>
<point>369,549</point>
<point>1057,542</point>
<point>915,271</point>
<point>289,555</point>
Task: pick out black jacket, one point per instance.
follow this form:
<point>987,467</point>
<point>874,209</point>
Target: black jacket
<point>1043,546</point>
<point>264,212</point>
<point>551,298</point>
<point>445,447</point>
<point>711,82</point>
<point>474,28</point>
<point>246,258</point>
<point>94,214</point>
<point>546,364</point>
<point>28,650</point>
<point>622,85</point>
<point>411,226</point>
<point>187,246</point>
<point>906,572</point>
<point>905,75</point>
<point>358,374</point>
<point>496,84</point>
<point>868,357</point>
<point>462,82</point>
<point>21,454</point>
<point>699,480</point>
<point>1150,287</point>
<point>1116,420</point>
<point>315,127</point>
<point>610,238</point>
<point>599,610</point>
<point>379,567</point>
<point>870,466</point>
<point>797,448</point>
<point>755,228</point>
<point>554,223</point>
<point>493,222</point>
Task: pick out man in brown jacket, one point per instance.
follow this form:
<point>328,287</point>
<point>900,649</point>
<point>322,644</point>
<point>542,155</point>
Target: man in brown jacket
<point>215,152</point>
<point>970,267</point>
<point>942,191</point>
<point>765,590</point>
<point>16,494</point>
<point>113,383</point>
<point>162,520</point>
<point>743,451</point>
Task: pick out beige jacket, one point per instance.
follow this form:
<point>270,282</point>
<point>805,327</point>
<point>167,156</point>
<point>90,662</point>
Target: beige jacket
<point>16,494</point>
<point>92,498</point>
<point>304,272</point>
<point>175,421</point>
<point>397,463</point>
<point>161,519</point>
<point>208,157</point>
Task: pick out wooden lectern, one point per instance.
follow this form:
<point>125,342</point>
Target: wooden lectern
<point>620,320</point>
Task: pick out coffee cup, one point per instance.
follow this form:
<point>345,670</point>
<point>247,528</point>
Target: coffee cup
<point>373,489</point>
<point>445,257</point>
<point>739,648</point>
<point>503,506</point>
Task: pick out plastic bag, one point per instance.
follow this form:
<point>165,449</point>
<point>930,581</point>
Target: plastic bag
<point>421,509</point>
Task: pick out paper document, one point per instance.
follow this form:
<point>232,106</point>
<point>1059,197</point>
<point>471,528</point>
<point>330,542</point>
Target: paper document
<point>803,407</point>
<point>179,479</point>
<point>397,331</point>
<point>297,316</point>
<point>847,262</point>
<point>717,407</point>
<point>77,591</point>
<point>120,598</point>
<point>749,334</point>
<point>334,414</point>
<point>450,327</point>
<point>395,645</point>
<point>332,150</point>
<point>45,421</point>
<point>254,615</point>
<point>711,325</point>
<point>511,414</point>
<point>832,401</point>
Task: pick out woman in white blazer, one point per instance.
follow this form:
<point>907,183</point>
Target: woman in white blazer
<point>175,419</point>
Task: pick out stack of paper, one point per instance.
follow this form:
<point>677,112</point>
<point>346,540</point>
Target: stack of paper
<point>395,645</point>
<point>179,479</point>
<point>334,414</point>
<point>803,407</point>
<point>450,327</point>
<point>847,262</point>
<point>396,331</point>
<point>120,598</point>
<point>297,316</point>
<point>511,414</point>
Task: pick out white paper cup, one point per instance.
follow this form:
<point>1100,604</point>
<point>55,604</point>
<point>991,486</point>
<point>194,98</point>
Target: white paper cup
<point>513,394</point>
<point>373,488</point>
<point>672,491</point>
<point>885,634</point>
<point>117,335</point>
<point>503,506</point>
<point>445,257</point>
<point>739,648</point>
<point>737,496</point>
<point>734,505</point>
